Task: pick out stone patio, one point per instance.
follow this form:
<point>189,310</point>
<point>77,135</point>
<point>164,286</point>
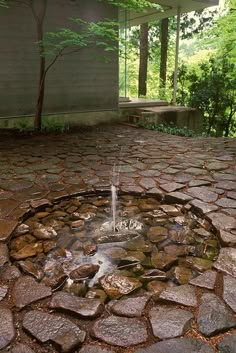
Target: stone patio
<point>197,173</point>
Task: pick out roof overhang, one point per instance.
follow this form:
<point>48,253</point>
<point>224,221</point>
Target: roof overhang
<point>169,9</point>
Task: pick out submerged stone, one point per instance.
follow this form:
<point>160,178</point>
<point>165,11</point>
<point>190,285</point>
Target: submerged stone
<point>116,285</point>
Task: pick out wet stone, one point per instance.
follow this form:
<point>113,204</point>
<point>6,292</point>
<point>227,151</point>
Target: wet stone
<point>162,260</point>
<point>169,322</point>
<point>89,348</point>
<point>181,274</point>
<point>41,232</point>
<point>116,285</point>
<point>170,210</point>
<point>226,261</point>
<point>229,291</point>
<point>184,294</point>
<point>196,263</point>
<point>120,331</point>
<point>6,229</point>
<point>178,345</point>
<point>3,292</point>
<point>130,307</point>
<point>21,348</point>
<point>46,327</point>
<point>21,229</point>
<point>7,330</point>
<point>83,307</point>
<point>31,268</point>
<point>227,344</point>
<point>213,316</point>
<point>4,257</point>
<point>84,271</point>
<point>206,280</point>
<point>27,290</point>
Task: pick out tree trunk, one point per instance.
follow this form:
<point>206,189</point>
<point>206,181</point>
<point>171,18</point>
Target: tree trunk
<point>39,15</point>
<point>164,49</point>
<point>143,60</point>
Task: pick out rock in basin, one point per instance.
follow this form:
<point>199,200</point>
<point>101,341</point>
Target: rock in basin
<point>46,327</point>
<point>116,285</point>
<point>120,331</point>
<point>83,307</point>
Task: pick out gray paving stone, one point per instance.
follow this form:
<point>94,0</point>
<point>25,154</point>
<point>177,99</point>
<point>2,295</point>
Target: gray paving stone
<point>229,291</point>
<point>169,322</point>
<point>205,280</point>
<point>46,327</point>
<point>89,348</point>
<point>213,316</point>
<point>7,330</point>
<point>203,193</point>
<point>226,261</point>
<point>120,331</point>
<point>130,307</point>
<point>26,291</point>
<point>203,207</point>
<point>178,345</point>
<point>83,307</point>
<point>222,221</point>
<point>21,348</point>
<point>184,294</point>
<point>227,344</point>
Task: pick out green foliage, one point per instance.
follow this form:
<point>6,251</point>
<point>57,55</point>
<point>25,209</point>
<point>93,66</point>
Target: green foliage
<point>212,89</point>
<point>171,129</point>
<point>137,5</point>
<point>66,41</point>
<point>3,3</point>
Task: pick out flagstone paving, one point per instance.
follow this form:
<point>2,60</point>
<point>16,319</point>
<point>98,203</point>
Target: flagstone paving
<point>199,174</point>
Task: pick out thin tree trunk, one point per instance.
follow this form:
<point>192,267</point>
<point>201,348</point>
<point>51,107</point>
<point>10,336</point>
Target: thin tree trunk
<point>164,50</point>
<point>39,18</point>
<point>143,60</point>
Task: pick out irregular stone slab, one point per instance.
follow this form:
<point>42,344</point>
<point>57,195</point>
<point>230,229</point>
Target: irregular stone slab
<point>90,348</point>
<point>6,229</point>
<point>227,238</point>
<point>214,316</point>
<point>4,256</point>
<point>206,280</point>
<point>169,187</point>
<point>7,330</point>
<point>169,323</point>
<point>227,344</point>
<point>226,185</point>
<point>46,327</point>
<point>221,221</point>
<point>3,292</point>
<point>217,165</point>
<point>203,207</point>
<point>147,183</point>
<point>116,285</point>
<point>134,189</point>
<point>26,291</point>
<point>226,261</point>
<point>21,348</point>
<point>184,294</point>
<point>81,306</point>
<point>229,291</point>
<point>198,182</point>
<point>232,194</point>
<point>203,193</point>
<point>130,307</point>
<point>178,345</point>
<point>10,273</point>
<point>177,197</point>
<point>31,268</point>
<point>120,331</point>
<point>226,203</point>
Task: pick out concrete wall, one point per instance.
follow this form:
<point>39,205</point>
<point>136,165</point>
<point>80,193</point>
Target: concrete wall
<point>82,81</point>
